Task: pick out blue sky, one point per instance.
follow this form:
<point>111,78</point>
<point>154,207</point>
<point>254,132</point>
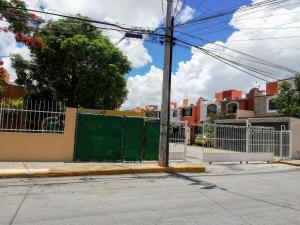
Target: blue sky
<point>194,74</point>
<point>203,8</point>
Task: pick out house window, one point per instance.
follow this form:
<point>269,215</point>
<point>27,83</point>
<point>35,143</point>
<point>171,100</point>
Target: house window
<point>211,109</point>
<point>187,112</point>
<point>271,105</point>
<point>175,113</point>
<point>232,107</point>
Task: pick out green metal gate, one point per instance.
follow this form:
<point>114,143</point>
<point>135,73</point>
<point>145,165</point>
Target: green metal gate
<point>133,138</point>
<point>98,138</point>
<point>151,147</point>
<point>115,138</point>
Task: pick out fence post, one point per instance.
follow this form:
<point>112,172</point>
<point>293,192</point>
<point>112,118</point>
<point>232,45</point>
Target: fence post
<point>290,144</point>
<point>280,144</point>
<point>247,135</point>
<point>185,139</point>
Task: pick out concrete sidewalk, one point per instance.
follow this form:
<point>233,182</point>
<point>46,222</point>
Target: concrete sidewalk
<point>58,169</point>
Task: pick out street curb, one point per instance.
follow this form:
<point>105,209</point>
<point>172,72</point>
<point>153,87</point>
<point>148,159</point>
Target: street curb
<point>290,163</point>
<point>107,171</point>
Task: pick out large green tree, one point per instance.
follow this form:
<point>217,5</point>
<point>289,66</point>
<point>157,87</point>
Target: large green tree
<point>288,98</point>
<point>75,63</point>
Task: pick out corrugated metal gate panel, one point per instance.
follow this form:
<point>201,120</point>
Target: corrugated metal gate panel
<point>98,138</point>
<point>113,138</point>
<point>133,138</point>
<point>151,148</point>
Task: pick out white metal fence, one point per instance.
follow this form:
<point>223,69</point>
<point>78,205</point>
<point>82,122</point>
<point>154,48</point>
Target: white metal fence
<point>217,138</point>
<point>178,135</point>
<point>32,116</point>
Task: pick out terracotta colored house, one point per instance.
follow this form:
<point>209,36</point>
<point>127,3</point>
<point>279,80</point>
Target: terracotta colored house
<point>229,100</point>
<point>228,95</point>
<point>190,113</point>
<point>233,103</point>
<point>264,105</point>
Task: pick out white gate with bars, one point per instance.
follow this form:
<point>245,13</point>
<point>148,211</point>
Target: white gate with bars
<point>227,143</point>
<point>32,116</point>
<point>178,140</point>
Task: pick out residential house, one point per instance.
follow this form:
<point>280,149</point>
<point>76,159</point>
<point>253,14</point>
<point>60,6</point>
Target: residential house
<point>208,108</point>
<point>175,113</point>
<point>11,91</point>
<point>264,104</point>
<point>191,112</point>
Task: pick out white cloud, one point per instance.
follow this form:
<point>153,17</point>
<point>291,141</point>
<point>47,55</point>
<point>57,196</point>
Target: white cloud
<point>186,14</point>
<point>136,52</point>
<point>8,46</point>
<point>143,13</point>
<point>147,85</point>
<point>134,49</point>
<point>203,75</point>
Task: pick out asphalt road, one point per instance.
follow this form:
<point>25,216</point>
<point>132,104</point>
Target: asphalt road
<point>226,194</point>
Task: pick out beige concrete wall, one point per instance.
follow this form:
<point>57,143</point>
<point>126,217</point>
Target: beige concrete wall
<point>244,113</point>
<point>295,128</point>
<point>15,146</point>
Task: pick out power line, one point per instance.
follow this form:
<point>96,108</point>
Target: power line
<point>200,4</point>
<point>176,7</point>
<point>126,52</point>
<point>81,19</point>
<point>179,11</point>
<point>262,39</point>
<point>242,53</point>
<point>162,7</point>
<point>222,60</point>
<point>119,41</point>
<point>152,33</point>
<point>231,11</point>
<point>250,70</point>
<point>248,8</point>
<point>235,20</point>
<point>277,27</point>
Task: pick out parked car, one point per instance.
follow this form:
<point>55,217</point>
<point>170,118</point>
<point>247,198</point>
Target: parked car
<point>204,140</point>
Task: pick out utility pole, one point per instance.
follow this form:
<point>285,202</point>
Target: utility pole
<point>166,89</point>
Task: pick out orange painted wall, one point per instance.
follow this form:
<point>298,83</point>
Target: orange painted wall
<point>4,74</point>
<point>185,103</point>
<point>195,118</point>
<point>234,94</point>
<point>229,94</point>
<point>219,96</point>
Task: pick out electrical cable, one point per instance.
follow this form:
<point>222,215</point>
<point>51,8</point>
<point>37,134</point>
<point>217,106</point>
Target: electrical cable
<point>179,11</point>
<point>245,54</point>
<point>80,19</point>
<point>231,11</point>
<point>239,66</point>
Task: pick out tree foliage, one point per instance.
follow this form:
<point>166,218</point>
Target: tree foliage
<point>15,13</point>
<point>288,98</point>
<point>1,85</point>
<point>75,64</point>
<point>219,116</point>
